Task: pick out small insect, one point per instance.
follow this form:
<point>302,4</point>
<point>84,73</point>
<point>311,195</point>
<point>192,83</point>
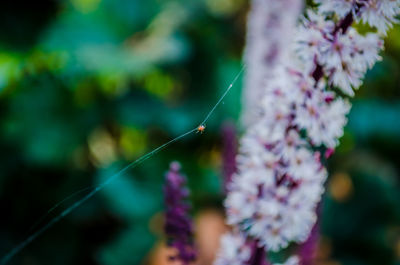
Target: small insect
<point>201,128</point>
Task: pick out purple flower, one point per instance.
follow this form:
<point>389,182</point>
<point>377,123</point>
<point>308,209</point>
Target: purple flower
<point>228,153</point>
<point>178,225</point>
<point>258,255</point>
<point>308,250</point>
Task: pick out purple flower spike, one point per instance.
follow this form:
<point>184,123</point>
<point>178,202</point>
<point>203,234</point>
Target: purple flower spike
<point>228,153</point>
<point>308,250</point>
<point>258,255</point>
<point>178,225</point>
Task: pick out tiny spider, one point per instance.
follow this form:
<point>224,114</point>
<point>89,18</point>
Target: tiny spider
<point>201,128</point>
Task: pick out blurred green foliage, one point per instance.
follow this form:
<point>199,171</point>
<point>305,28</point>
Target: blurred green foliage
<point>86,86</point>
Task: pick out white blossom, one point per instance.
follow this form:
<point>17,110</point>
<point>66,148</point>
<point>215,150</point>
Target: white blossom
<point>377,13</point>
<point>323,117</point>
<point>294,260</point>
<point>348,58</point>
<point>234,250</point>
<point>268,38</point>
<point>312,35</point>
<point>345,57</point>
<point>380,13</point>
<point>281,206</point>
<point>340,7</point>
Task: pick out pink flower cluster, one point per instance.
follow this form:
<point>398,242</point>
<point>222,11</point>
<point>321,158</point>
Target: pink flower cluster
<point>297,71</point>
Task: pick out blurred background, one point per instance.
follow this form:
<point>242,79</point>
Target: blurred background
<point>86,86</point>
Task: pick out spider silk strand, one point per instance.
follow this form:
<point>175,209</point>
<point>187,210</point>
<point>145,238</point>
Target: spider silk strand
<point>96,189</point>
